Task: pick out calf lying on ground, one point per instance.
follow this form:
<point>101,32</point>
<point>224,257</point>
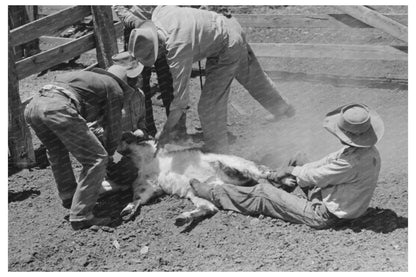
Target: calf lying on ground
<point>172,172</point>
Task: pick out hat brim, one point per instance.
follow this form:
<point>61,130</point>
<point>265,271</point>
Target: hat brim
<point>150,59</point>
<point>124,86</point>
<point>366,139</point>
<point>133,73</point>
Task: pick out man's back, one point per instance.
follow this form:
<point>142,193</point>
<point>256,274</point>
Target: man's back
<point>347,179</point>
<point>188,30</point>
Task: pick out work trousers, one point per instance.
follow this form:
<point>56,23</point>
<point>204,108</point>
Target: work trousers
<point>59,126</point>
<point>237,60</point>
<point>164,79</point>
<point>265,199</point>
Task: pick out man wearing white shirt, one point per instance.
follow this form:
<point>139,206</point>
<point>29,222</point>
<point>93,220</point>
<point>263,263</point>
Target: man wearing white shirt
<point>188,35</point>
<point>339,186</point>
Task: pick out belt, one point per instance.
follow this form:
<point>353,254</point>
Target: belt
<point>65,90</point>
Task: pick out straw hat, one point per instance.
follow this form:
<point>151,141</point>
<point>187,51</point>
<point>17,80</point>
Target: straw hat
<point>126,60</point>
<point>118,73</point>
<point>144,43</point>
<point>355,124</point>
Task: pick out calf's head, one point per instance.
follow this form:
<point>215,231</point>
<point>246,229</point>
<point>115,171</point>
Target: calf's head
<point>136,144</point>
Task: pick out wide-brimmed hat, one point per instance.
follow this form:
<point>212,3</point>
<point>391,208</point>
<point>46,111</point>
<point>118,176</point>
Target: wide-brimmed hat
<point>144,43</point>
<point>118,73</point>
<point>355,124</point>
<point>132,66</point>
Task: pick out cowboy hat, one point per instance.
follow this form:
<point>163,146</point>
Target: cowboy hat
<point>118,73</point>
<point>126,60</point>
<point>144,43</point>
<point>355,124</point>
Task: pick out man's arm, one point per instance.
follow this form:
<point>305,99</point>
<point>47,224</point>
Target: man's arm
<point>180,65</point>
<point>131,16</point>
<point>335,172</point>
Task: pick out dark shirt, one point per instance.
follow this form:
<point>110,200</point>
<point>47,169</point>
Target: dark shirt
<point>101,99</point>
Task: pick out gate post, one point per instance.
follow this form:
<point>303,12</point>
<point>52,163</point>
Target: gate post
<point>105,35</point>
<point>20,139</point>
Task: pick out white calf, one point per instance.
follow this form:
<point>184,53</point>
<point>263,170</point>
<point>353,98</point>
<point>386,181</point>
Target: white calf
<point>172,172</point>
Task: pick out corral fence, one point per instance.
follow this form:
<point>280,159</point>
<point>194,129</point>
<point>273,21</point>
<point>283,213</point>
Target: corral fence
<point>106,31</point>
<point>103,39</point>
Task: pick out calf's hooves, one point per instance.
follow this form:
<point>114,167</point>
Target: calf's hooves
<point>129,214</point>
<point>182,220</point>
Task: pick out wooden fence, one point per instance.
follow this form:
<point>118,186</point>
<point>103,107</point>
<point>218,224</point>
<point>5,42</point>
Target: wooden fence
<point>105,33</point>
<point>104,39</point>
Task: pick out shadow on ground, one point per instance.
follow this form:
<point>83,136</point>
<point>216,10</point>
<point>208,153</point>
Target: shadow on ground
<point>377,220</point>
<point>16,196</point>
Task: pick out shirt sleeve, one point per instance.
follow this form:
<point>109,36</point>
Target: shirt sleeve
<point>113,118</point>
<point>180,65</point>
<point>131,17</point>
<point>323,161</point>
<point>333,173</point>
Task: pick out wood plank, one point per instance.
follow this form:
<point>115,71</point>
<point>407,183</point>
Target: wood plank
<point>105,35</point>
<point>333,51</point>
<point>377,20</point>
<point>118,26</point>
<point>288,21</point>
<point>54,40</point>
<point>54,56</point>
<point>341,81</point>
<point>330,21</point>
<point>48,24</point>
<point>58,54</point>
<point>20,140</point>
<point>45,10</point>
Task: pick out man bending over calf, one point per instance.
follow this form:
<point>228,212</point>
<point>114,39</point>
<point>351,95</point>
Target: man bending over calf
<point>337,187</point>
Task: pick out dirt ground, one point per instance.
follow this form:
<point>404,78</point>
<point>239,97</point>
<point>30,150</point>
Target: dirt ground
<point>41,239</point>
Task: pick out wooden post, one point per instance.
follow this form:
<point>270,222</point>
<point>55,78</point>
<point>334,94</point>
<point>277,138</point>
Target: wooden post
<point>377,20</point>
<point>20,140</point>
<point>105,35</point>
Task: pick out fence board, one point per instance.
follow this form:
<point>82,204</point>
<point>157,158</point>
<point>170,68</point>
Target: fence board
<point>341,81</point>
<point>330,21</point>
<point>54,56</point>
<point>377,20</point>
<point>59,54</point>
<point>48,24</point>
<point>333,51</point>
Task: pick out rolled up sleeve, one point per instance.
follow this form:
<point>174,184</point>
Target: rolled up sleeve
<point>332,173</point>
<point>180,66</point>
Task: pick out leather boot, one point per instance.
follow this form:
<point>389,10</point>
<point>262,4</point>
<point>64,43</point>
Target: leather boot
<point>203,190</point>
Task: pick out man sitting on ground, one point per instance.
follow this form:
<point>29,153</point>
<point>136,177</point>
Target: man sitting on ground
<point>338,187</point>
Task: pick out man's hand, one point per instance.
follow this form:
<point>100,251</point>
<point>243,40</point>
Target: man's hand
<point>162,138</point>
<point>165,136</point>
<point>280,173</point>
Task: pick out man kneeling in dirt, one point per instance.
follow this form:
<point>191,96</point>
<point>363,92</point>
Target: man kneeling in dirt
<point>59,114</point>
<point>337,188</point>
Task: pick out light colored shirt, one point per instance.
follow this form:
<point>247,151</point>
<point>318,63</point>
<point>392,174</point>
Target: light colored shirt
<point>190,35</point>
<point>347,179</point>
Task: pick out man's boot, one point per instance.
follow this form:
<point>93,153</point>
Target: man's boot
<point>202,190</point>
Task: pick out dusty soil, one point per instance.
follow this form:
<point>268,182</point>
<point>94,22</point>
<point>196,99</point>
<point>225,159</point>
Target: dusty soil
<point>41,239</point>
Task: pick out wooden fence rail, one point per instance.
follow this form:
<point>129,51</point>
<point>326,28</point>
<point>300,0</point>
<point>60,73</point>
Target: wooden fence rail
<point>377,20</point>
<point>333,51</point>
<point>48,24</point>
<point>328,21</point>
